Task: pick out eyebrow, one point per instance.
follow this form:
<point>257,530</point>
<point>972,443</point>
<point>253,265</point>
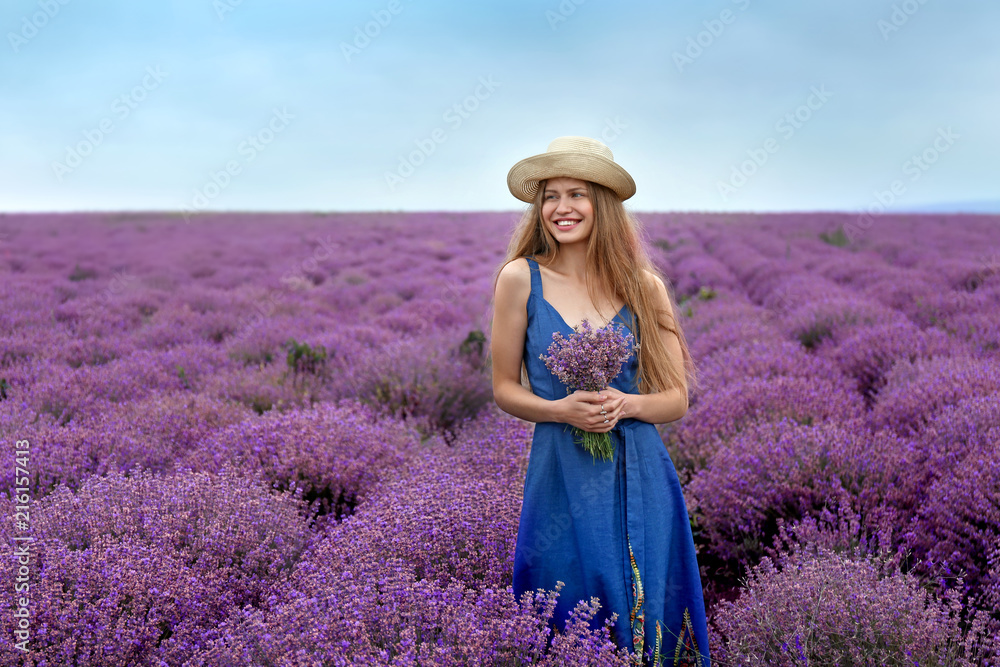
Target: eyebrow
<point>578,187</point>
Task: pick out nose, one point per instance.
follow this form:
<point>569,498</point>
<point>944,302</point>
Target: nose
<point>564,205</point>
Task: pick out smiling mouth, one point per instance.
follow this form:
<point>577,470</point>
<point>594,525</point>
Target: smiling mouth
<point>566,224</point>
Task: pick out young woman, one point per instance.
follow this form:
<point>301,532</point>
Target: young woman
<point>616,530</point>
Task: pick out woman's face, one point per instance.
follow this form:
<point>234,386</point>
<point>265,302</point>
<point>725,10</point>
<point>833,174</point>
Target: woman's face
<point>567,200</point>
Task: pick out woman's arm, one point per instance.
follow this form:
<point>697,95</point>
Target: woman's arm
<point>671,404</point>
<point>510,324</point>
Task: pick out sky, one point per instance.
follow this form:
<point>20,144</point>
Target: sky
<point>389,105</point>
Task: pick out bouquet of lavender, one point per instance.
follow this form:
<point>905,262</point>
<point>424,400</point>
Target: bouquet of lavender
<point>589,360</point>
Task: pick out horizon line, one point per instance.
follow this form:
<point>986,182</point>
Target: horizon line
<point>183,214</point>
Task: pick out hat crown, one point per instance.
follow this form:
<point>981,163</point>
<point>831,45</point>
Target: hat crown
<point>582,158</point>
<point>580,144</point>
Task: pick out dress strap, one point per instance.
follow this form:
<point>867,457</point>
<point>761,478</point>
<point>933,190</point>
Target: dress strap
<point>536,277</point>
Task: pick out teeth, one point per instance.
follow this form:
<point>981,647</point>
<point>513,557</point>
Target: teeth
<point>566,223</point>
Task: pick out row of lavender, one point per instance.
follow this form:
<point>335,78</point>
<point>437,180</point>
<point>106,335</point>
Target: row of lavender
<point>856,391</point>
<point>206,487</point>
<point>210,406</point>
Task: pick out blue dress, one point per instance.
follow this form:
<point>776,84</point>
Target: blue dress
<point>616,530</point>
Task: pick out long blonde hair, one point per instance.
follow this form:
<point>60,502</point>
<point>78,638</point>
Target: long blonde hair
<point>616,259</point>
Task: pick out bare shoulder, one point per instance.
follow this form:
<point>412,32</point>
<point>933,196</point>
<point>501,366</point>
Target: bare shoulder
<point>514,282</point>
<point>654,283</point>
<point>662,297</point>
<point>516,267</point>
<point>515,274</point>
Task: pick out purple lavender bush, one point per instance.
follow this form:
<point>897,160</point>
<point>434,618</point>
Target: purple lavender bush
<point>334,454</point>
<point>832,319</point>
<point>915,391</point>
<point>956,527</point>
<point>869,354</point>
<point>723,412</point>
<point>457,522</point>
<point>458,508</point>
<point>138,566</point>
<point>497,442</point>
<point>820,607</point>
<point>153,432</point>
<point>430,378</point>
<point>718,323</point>
<point>339,609</point>
<point>972,425</point>
<point>114,603</point>
<point>785,471</point>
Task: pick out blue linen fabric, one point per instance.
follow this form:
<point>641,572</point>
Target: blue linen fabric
<point>616,530</point>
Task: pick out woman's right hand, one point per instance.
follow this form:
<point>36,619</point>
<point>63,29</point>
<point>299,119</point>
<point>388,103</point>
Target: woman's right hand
<point>582,409</point>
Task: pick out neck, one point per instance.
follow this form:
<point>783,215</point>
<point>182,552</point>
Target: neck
<point>571,260</point>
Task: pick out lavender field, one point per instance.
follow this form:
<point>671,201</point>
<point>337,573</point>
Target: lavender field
<point>270,439</point>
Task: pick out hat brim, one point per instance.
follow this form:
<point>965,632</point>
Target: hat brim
<point>523,177</point>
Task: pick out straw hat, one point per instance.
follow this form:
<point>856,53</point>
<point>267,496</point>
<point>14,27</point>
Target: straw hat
<point>575,157</point>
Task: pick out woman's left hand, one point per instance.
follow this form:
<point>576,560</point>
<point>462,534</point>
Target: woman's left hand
<point>615,404</point>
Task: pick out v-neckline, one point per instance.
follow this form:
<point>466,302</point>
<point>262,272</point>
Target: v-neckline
<point>541,295</point>
<point>565,323</point>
